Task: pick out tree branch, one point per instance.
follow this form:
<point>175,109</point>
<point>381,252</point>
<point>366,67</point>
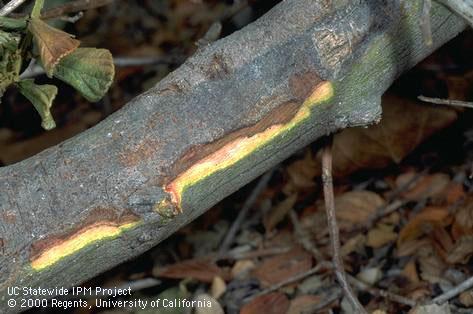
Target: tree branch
<point>231,112</point>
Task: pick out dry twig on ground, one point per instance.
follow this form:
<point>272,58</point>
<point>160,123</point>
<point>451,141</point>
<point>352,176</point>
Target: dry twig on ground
<point>449,102</point>
<point>10,7</point>
<point>333,227</point>
<point>465,285</point>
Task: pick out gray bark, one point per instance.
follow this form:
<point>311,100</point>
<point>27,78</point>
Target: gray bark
<point>119,172</point>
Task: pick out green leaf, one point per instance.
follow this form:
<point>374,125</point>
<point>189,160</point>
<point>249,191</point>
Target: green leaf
<point>89,70</point>
<point>10,65</point>
<point>10,23</point>
<point>53,44</point>
<point>38,6</point>
<point>41,96</point>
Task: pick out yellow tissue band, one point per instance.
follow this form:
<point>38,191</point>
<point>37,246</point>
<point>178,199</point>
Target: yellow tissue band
<point>78,241</point>
<point>241,147</point>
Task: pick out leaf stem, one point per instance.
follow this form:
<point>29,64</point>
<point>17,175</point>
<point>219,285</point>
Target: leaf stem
<point>38,6</point>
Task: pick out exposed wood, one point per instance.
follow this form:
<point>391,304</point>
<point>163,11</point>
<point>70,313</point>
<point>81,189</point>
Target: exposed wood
<point>232,111</point>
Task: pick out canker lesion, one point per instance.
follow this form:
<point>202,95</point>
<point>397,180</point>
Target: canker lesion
<point>238,145</point>
<point>101,224</point>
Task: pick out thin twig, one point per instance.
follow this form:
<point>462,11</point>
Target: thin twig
<point>444,297</point>
<point>356,283</point>
<point>333,227</point>
<point>250,201</point>
<point>140,61</point>
<point>303,238</point>
<point>360,285</point>
<point>254,254</point>
<point>292,279</point>
<point>440,101</point>
<point>72,19</point>
<point>384,211</point>
<point>10,7</point>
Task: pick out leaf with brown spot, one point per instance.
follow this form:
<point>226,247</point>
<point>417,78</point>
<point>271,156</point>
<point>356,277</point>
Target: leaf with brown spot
<point>272,303</point>
<point>201,269</point>
<point>281,267</point>
<point>89,70</point>
<point>53,44</point>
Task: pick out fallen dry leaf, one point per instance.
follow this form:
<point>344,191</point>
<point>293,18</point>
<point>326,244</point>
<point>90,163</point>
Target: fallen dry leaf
<point>381,235</point>
<point>356,207</point>
<point>427,186</point>
<point>353,244</point>
<point>461,251</point>
<point>431,266</point>
<point>278,212</point>
<point>407,248</point>
<point>303,304</point>
<point>385,143</point>
<point>202,269</point>
<point>466,298</point>
<point>272,303</point>
<point>382,144</point>
<point>442,241</point>
<point>303,171</point>
<point>464,218</point>
<point>423,223</point>
<point>283,266</point>
<point>410,271</point>
<point>454,193</point>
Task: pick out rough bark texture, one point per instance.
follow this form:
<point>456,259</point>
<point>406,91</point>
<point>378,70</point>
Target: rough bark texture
<point>233,110</point>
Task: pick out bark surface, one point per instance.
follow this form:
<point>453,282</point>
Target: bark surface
<point>232,111</point>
